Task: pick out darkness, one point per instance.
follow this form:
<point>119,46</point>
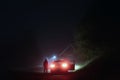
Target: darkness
<point>32,30</point>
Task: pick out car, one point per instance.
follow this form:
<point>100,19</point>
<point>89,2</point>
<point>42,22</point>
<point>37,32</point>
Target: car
<point>61,65</point>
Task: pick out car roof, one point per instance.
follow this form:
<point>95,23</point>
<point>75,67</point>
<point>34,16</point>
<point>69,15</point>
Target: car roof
<point>60,60</point>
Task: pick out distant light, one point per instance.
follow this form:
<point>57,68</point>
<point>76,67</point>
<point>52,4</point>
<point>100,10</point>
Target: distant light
<point>54,57</point>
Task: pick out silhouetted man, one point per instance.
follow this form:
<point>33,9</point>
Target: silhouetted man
<point>45,65</point>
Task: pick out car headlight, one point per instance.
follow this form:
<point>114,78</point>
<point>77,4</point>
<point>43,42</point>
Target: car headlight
<point>64,65</point>
<point>52,66</point>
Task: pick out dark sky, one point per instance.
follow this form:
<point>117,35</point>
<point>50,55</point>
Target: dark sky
<point>33,30</point>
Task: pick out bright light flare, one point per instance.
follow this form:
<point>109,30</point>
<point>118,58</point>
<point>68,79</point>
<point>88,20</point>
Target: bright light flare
<point>77,67</point>
<point>54,57</point>
<point>52,65</point>
<point>64,65</point>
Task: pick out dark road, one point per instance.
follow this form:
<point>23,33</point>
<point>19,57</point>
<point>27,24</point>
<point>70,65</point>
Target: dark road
<point>94,71</point>
<point>67,76</point>
<point>42,76</point>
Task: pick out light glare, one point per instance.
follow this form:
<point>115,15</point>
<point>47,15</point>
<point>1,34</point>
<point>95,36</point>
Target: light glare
<point>52,65</point>
<point>64,65</point>
<point>54,57</point>
<point>77,67</point>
